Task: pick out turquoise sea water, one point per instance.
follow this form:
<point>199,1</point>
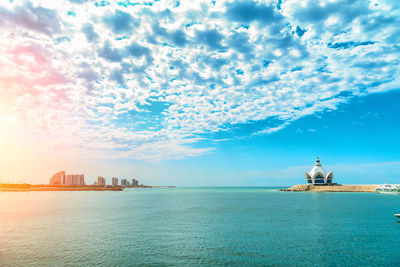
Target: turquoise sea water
<point>199,226</point>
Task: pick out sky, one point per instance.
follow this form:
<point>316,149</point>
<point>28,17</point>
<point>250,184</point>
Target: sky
<point>200,93</point>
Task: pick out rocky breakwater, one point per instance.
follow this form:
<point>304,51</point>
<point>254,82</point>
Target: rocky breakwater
<point>331,188</point>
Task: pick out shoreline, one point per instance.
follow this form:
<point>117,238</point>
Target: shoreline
<point>331,188</point>
<point>43,187</point>
<point>294,188</point>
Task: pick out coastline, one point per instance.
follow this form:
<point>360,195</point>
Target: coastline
<point>331,188</point>
<point>294,188</point>
<point>42,187</point>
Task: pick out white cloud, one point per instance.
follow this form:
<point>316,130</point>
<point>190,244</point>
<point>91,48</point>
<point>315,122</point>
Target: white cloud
<point>145,81</point>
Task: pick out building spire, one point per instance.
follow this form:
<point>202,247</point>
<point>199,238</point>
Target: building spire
<point>317,163</point>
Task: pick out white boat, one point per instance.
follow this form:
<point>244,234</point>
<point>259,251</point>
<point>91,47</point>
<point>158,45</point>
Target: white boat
<point>388,189</point>
<point>397,215</point>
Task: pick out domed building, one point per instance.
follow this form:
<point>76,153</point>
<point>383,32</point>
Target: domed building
<point>318,175</point>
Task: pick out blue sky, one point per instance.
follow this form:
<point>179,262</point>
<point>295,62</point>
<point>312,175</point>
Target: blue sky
<point>358,141</point>
<point>200,92</point>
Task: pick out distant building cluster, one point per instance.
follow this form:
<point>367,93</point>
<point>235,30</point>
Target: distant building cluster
<point>125,182</point>
<point>71,179</point>
<point>60,178</point>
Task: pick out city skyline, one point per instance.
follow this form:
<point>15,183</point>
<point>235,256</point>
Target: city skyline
<point>61,178</point>
<point>200,93</point>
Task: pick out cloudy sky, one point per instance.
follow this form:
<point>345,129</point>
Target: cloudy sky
<point>200,92</point>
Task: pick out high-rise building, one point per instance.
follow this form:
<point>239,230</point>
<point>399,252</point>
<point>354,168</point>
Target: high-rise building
<point>79,180</point>
<point>58,178</point>
<point>114,181</point>
<point>75,179</point>
<point>135,182</point>
<point>101,180</point>
<point>71,179</point>
<point>123,182</point>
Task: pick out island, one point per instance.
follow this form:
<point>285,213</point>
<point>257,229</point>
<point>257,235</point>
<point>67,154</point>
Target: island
<point>319,180</point>
<point>331,188</point>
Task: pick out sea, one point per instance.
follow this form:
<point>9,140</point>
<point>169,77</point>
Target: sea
<point>237,226</point>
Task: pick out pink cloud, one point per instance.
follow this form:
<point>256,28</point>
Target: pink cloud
<point>29,67</point>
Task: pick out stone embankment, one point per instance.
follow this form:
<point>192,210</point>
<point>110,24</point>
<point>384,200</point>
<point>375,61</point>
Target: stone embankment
<point>331,188</point>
